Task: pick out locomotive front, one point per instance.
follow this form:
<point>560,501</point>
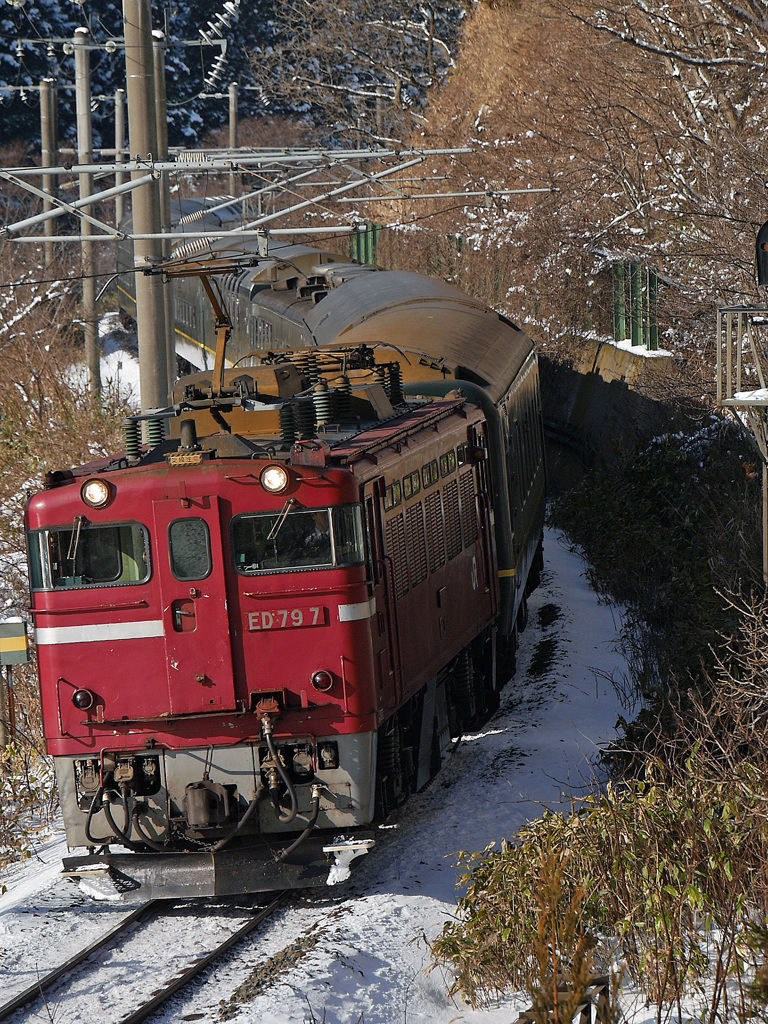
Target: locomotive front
<point>203,630</point>
<point>260,631</point>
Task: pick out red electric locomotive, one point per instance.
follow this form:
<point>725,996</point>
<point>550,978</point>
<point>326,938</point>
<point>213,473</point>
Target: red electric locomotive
<point>259,632</point>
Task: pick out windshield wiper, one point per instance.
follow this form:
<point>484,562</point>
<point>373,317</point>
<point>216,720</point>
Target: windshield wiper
<point>74,541</point>
<point>278,523</point>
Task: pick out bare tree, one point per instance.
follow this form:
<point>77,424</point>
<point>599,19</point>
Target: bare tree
<point>360,65</point>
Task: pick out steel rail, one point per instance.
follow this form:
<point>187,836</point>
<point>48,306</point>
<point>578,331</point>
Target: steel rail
<point>40,986</point>
<point>180,980</point>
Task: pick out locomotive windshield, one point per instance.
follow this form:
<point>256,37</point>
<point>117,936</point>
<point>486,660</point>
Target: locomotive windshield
<point>86,555</point>
<point>319,538</point>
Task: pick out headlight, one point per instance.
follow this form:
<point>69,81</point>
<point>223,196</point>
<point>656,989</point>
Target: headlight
<point>96,493</point>
<point>274,479</point>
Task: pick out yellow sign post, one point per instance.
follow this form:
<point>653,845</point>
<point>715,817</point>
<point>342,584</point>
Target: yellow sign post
<point>14,650</point>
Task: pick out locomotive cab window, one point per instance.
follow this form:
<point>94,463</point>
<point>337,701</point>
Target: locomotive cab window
<point>88,555</point>
<point>189,548</point>
<point>319,538</point>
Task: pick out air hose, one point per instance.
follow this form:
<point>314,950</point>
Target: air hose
<point>121,833</point>
<point>91,811</point>
<point>248,814</point>
<point>150,842</point>
<point>310,825</point>
<point>284,818</point>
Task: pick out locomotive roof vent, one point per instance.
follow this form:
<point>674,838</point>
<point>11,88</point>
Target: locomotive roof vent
<point>337,273</point>
<point>315,288</point>
<point>288,284</point>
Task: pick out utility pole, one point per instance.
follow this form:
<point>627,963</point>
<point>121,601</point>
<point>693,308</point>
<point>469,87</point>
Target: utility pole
<point>145,203</point>
<point>161,113</point>
<point>233,133</point>
<point>85,156</point>
<point>119,152</point>
<point>49,149</point>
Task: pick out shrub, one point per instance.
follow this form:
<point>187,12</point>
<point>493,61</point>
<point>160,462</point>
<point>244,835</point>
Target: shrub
<point>666,872</point>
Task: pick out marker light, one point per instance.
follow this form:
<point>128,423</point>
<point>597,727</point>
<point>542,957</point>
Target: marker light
<point>96,493</point>
<point>82,699</point>
<point>322,680</point>
<point>274,479</point>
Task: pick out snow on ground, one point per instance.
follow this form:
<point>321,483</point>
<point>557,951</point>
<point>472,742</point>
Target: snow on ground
<point>355,952</point>
<point>119,360</point>
<point>639,350</point>
<point>368,963</point>
<point>119,364</point>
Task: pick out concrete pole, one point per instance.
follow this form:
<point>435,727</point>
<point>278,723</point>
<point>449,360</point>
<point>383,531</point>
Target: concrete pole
<point>119,152</point>
<point>49,147</point>
<point>4,730</point>
<point>85,156</point>
<point>161,114</point>
<point>142,131</point>
<point>233,133</point>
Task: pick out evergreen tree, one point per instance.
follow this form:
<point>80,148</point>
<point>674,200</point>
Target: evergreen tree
<point>33,45</point>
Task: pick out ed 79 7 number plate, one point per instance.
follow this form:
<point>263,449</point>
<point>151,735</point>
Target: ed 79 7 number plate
<point>286,618</point>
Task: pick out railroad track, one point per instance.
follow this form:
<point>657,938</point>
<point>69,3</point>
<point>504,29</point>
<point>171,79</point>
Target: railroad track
<point>147,912</point>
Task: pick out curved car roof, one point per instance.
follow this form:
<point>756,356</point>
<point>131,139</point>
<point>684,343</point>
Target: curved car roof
<point>424,316</point>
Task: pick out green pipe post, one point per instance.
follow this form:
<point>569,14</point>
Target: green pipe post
<point>636,303</point>
<point>652,298</point>
<point>619,306</point>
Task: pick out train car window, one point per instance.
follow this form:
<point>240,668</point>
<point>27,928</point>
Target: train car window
<point>430,474</point>
<point>89,555</point>
<point>392,496</point>
<point>411,484</point>
<point>189,548</point>
<point>319,538</point>
<point>461,455</point>
<point>347,535</point>
<point>448,463</point>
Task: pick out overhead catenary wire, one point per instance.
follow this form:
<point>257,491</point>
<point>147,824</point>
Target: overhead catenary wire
<point>138,270</point>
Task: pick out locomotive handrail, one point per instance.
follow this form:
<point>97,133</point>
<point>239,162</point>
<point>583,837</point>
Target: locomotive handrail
<point>90,608</point>
<point>171,717</point>
<point>314,592</point>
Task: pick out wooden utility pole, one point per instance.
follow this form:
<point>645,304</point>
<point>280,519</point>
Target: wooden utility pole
<point>85,156</point>
<point>145,203</point>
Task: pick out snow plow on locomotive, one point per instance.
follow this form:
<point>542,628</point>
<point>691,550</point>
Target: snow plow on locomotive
<point>258,633</point>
